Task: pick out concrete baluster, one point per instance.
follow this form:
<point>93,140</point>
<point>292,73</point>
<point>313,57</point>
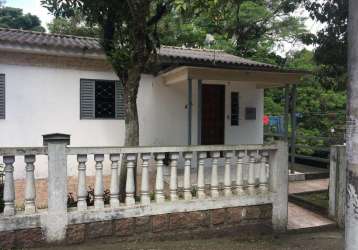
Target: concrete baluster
<point>227,174</point>
<point>144,195</point>
<point>215,155</point>
<point>252,178</point>
<point>263,172</point>
<point>30,189</point>
<point>201,178</point>
<point>98,190</point>
<point>114,197</point>
<point>173,176</point>
<point>187,186</point>
<point>240,172</point>
<point>131,158</point>
<point>9,186</point>
<point>81,189</point>
<point>159,181</point>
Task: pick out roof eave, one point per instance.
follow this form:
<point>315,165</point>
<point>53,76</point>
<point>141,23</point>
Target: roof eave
<point>52,51</point>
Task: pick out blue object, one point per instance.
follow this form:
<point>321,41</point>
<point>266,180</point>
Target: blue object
<point>277,123</point>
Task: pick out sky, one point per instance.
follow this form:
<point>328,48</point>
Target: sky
<point>31,6</point>
<point>34,7</point>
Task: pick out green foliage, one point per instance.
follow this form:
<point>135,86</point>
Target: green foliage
<point>320,107</point>
<point>331,40</point>
<point>75,25</point>
<point>249,28</point>
<point>14,18</point>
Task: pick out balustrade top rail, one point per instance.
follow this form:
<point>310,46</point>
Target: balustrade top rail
<point>168,149</point>
<point>9,151</point>
<point>20,151</point>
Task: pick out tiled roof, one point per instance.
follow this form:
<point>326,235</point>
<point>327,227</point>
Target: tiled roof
<point>11,38</point>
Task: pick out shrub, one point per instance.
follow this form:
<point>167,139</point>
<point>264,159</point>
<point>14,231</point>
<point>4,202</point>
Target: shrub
<point>71,202</point>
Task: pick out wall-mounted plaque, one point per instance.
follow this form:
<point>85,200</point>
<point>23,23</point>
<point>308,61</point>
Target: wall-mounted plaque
<point>250,113</point>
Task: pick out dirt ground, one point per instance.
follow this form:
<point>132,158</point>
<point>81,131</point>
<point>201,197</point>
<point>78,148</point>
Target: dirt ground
<point>326,240</point>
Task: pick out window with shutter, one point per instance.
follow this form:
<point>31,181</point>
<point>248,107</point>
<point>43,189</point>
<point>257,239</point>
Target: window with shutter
<point>101,99</point>
<point>235,108</point>
<point>2,96</point>
<point>87,99</point>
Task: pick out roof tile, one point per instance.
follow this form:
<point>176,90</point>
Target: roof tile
<point>67,42</point>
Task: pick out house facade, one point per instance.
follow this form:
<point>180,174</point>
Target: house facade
<point>55,83</point>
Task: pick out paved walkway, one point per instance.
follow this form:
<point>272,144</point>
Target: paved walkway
<point>308,169</point>
<point>329,240</point>
<point>296,187</point>
<point>301,218</point>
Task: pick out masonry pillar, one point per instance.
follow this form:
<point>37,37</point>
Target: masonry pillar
<point>56,221</point>
<point>279,186</point>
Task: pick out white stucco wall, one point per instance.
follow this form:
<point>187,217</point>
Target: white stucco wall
<point>42,100</point>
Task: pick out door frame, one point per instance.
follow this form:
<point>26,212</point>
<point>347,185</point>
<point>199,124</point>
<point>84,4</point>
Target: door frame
<point>200,110</point>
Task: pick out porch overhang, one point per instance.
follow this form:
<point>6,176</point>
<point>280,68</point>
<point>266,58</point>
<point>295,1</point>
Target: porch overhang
<point>261,78</point>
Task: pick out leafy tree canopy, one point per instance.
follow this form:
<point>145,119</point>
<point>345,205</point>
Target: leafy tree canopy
<point>249,28</point>
<point>15,19</point>
<point>74,25</point>
<point>331,40</point>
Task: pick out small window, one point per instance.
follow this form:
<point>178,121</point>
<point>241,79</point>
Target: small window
<point>235,112</point>
<point>101,99</point>
<point>105,99</point>
<point>2,96</point>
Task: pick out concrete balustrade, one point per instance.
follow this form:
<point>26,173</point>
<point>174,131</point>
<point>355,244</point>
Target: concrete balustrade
<point>30,190</point>
<point>173,176</point>
<point>240,172</point>
<point>98,188</point>
<point>114,197</point>
<point>144,196</point>
<point>227,173</point>
<point>201,178</point>
<point>187,166</point>
<point>217,163</point>
<point>214,189</point>
<point>251,177</point>
<point>9,186</point>
<point>130,189</point>
<point>81,188</point>
<point>263,172</point>
<point>159,181</point>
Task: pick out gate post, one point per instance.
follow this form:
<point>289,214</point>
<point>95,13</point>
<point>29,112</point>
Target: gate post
<point>56,221</point>
<point>337,184</point>
<point>279,186</point>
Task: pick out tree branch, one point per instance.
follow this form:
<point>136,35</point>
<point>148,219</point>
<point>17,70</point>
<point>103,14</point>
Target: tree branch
<point>160,11</point>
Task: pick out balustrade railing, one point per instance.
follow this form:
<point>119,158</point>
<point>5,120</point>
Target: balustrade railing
<point>28,156</point>
<point>171,179</point>
<point>250,162</point>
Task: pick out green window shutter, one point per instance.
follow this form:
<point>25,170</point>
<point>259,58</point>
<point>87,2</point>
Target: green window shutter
<point>120,112</point>
<point>2,96</point>
<point>87,99</point>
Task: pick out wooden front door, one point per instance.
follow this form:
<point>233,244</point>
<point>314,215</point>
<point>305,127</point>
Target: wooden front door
<point>213,114</point>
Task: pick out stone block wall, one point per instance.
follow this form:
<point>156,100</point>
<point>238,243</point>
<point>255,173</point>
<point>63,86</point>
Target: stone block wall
<point>207,223</point>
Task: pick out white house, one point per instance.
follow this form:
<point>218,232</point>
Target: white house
<point>55,83</point>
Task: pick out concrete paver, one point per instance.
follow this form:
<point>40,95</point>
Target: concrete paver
<point>296,187</point>
<point>299,218</point>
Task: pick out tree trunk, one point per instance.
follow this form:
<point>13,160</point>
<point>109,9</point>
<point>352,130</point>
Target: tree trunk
<point>131,120</point>
<point>131,123</point>
<point>351,224</point>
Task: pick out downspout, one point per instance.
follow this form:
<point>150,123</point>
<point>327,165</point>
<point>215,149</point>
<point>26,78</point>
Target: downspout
<point>199,103</point>
<point>190,103</point>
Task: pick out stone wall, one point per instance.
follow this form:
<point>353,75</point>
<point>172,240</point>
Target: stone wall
<point>244,221</point>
